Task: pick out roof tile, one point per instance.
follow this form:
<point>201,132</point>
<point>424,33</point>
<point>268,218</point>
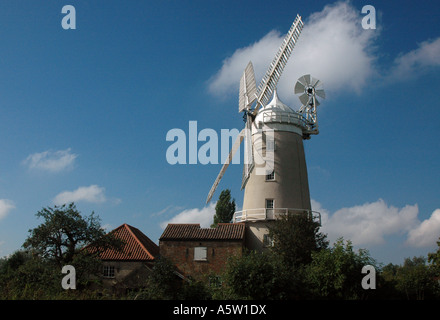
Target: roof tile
<point>187,231</point>
<point>137,246</point>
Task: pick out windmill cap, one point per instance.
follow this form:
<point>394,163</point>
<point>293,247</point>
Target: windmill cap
<point>279,117</point>
<point>276,105</point>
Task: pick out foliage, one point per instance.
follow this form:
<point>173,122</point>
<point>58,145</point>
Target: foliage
<point>416,279</point>
<point>224,209</point>
<point>296,237</point>
<point>277,273</point>
<point>64,232</point>
<point>194,290</point>
<point>335,273</point>
<point>24,276</point>
<point>387,283</point>
<point>434,259</point>
<point>258,275</point>
<point>162,283</point>
<point>35,273</point>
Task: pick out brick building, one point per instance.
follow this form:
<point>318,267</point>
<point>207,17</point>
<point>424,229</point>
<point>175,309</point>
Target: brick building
<point>128,268</point>
<point>199,251</point>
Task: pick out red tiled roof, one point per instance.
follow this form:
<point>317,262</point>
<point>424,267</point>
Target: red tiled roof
<point>137,245</point>
<point>224,231</point>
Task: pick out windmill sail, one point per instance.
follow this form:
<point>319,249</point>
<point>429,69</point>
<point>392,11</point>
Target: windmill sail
<point>248,88</point>
<point>248,151</point>
<point>273,74</point>
<point>226,164</point>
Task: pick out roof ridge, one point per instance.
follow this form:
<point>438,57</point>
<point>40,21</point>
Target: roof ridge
<point>229,223</point>
<point>121,226</point>
<point>128,227</point>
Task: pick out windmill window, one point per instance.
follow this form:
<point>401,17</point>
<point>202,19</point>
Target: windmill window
<point>269,204</point>
<point>270,176</point>
<point>200,254</point>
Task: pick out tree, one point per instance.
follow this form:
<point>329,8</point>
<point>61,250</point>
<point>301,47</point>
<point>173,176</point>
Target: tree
<point>11,281</point>
<point>67,238</point>
<point>296,237</point>
<point>276,273</point>
<point>387,283</point>
<point>162,282</point>
<point>416,279</point>
<point>224,209</point>
<point>434,259</point>
<point>259,275</point>
<point>335,273</point>
<point>65,232</point>
<point>13,262</point>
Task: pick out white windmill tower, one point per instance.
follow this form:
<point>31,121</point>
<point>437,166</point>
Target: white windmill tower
<point>275,172</point>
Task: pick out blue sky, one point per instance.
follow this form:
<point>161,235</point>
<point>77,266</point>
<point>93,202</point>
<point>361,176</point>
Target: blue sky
<point>84,113</point>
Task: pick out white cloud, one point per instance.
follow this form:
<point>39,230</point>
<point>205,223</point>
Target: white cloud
<point>316,206</point>
<point>260,53</point>
<point>332,47</point>
<point>5,207</point>
<point>53,161</point>
<point>369,223</point>
<point>93,193</point>
<point>203,216</point>
<point>427,233</point>
<point>416,61</point>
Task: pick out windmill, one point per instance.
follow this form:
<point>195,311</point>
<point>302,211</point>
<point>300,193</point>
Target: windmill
<point>248,94</point>
<point>283,186</point>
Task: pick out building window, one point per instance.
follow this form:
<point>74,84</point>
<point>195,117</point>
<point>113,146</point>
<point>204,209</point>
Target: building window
<point>200,254</point>
<point>270,176</point>
<point>269,204</point>
<point>109,271</point>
